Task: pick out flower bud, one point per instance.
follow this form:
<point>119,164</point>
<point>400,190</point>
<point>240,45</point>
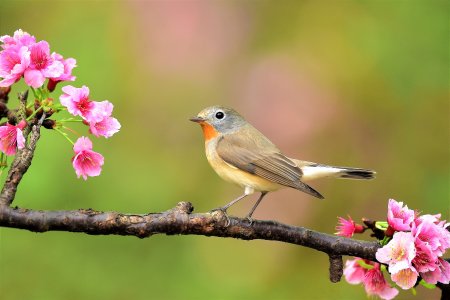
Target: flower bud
<point>389,231</point>
<point>37,104</point>
<point>28,112</point>
<point>3,109</point>
<point>359,228</point>
<point>49,112</point>
<point>4,91</point>
<point>51,85</point>
<point>49,123</point>
<point>47,102</point>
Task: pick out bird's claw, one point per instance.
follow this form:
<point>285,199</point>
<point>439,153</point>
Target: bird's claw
<point>224,212</point>
<point>250,220</point>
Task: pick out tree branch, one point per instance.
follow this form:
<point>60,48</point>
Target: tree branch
<point>181,220</point>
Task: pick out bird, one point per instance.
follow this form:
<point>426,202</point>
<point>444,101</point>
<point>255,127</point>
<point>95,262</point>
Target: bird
<point>241,154</point>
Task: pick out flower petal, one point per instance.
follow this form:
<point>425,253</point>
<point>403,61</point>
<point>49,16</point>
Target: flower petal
<point>34,78</point>
<point>405,278</point>
<point>83,143</point>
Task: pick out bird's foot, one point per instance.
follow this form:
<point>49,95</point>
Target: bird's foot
<point>223,210</point>
<point>250,220</point>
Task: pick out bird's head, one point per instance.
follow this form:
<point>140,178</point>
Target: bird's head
<point>216,120</point>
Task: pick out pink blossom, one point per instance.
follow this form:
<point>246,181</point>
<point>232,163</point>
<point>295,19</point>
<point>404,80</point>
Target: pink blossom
<point>398,253</point>
<point>86,162</point>
<point>399,218</point>
<point>78,104</point>
<point>13,63</point>
<point>42,65</point>
<point>353,272</point>
<point>375,284</point>
<point>77,100</point>
<point>433,233</point>
<point>428,218</point>
<point>373,278</point>
<point>68,64</point>
<point>348,227</point>
<point>23,56</point>
<point>19,39</point>
<point>106,127</point>
<point>425,259</point>
<point>101,110</point>
<point>11,138</point>
<point>440,274</point>
<point>405,278</point>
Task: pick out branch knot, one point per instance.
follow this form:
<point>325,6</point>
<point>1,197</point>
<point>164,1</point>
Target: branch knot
<point>184,207</point>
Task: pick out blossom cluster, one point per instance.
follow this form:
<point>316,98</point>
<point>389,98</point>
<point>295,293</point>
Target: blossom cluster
<point>21,56</point>
<point>369,273</point>
<point>94,113</point>
<point>413,248</point>
<point>416,247</point>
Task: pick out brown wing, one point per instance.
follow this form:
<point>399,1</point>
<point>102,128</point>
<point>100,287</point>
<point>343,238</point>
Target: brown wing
<point>260,157</point>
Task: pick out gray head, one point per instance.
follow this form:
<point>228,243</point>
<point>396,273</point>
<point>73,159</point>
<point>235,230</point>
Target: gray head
<point>223,119</point>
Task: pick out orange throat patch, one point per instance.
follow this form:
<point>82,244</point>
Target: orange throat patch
<point>208,131</point>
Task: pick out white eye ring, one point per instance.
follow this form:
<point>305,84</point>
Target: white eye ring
<point>219,115</point>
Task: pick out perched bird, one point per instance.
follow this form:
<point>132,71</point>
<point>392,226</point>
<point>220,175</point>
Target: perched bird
<point>239,153</point>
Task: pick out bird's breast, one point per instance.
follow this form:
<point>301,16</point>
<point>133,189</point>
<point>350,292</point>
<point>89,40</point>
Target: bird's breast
<point>233,174</point>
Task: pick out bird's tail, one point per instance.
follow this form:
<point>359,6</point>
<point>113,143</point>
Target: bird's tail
<point>313,171</point>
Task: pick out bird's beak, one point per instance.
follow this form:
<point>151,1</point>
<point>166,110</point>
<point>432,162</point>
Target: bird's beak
<point>197,119</point>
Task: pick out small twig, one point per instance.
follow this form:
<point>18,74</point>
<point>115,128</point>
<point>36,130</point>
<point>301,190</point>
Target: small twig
<point>379,234</point>
<point>21,163</point>
<point>336,268</point>
<point>445,288</point>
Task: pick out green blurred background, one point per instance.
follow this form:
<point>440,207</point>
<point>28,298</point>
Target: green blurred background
<point>357,83</point>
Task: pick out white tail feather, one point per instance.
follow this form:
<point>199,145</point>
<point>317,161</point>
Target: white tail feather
<point>314,172</point>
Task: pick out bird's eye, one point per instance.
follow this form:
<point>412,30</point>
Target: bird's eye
<point>220,115</point>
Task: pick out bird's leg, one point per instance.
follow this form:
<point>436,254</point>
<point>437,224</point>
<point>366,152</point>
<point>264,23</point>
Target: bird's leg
<point>249,216</point>
<point>224,208</point>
